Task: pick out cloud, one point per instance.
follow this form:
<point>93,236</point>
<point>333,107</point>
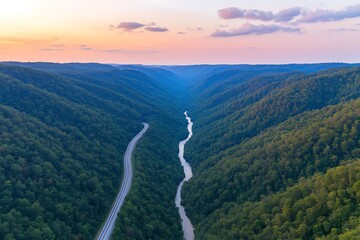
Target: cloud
<point>157,29</point>
<point>325,15</point>
<point>195,29</point>
<point>250,14</point>
<point>192,30</point>
<point>284,15</point>
<point>345,30</point>
<point>52,49</point>
<point>230,13</point>
<point>288,14</point>
<point>250,29</point>
<point>29,40</point>
<point>58,45</point>
<point>84,47</point>
<point>129,26</point>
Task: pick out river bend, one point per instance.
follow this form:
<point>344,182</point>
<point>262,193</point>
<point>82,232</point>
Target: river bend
<point>187,227</point>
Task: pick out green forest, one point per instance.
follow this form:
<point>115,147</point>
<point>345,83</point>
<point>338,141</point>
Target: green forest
<point>64,130</point>
<point>271,134</point>
<point>275,151</point>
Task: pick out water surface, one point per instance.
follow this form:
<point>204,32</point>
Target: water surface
<point>187,227</point>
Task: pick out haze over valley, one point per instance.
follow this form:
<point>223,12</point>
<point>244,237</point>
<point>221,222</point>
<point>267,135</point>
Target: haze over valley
<point>263,134</point>
<point>167,120</point>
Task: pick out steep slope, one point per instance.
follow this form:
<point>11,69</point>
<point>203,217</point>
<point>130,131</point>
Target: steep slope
<point>325,206</point>
<point>65,129</point>
<point>273,131</point>
<point>261,102</point>
<point>264,138</point>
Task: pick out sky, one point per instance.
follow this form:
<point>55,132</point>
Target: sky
<point>180,32</point>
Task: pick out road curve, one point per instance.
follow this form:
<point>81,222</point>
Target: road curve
<point>109,225</point>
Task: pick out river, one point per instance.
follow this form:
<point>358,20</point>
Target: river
<point>187,227</point>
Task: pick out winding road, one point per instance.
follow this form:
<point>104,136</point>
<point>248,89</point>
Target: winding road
<point>109,225</point>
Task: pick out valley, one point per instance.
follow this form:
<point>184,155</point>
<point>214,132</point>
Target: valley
<point>273,152</point>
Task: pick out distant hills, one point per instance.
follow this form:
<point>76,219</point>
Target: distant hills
<point>274,153</point>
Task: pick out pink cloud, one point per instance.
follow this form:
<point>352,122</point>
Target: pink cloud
<point>324,15</point>
<point>250,29</point>
<point>128,26</point>
<point>251,14</point>
<point>157,29</point>
<point>288,14</point>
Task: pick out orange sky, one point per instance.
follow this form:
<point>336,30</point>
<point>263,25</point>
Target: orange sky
<point>179,32</point>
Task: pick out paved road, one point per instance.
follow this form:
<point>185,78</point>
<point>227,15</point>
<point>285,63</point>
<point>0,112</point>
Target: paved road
<point>108,227</point>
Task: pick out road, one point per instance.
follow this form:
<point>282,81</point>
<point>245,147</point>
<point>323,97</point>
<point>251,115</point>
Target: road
<point>109,225</point>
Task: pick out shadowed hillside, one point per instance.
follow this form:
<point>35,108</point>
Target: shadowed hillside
<point>65,128</point>
<point>258,133</point>
<point>274,153</point>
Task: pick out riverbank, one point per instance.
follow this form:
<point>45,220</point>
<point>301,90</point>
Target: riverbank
<point>187,227</point>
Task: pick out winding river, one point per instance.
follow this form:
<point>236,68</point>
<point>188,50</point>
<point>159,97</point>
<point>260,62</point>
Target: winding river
<point>187,227</point>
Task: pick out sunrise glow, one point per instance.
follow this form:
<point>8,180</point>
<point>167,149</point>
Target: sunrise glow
<point>179,32</point>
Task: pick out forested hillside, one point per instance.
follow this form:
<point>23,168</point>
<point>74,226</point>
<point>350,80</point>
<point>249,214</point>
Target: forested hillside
<point>64,129</point>
<point>274,153</point>
<point>258,133</point>
<point>325,206</point>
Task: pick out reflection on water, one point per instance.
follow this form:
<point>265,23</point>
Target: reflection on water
<point>187,227</point>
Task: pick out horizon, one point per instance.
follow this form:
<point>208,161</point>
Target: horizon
<point>158,32</point>
<point>184,65</point>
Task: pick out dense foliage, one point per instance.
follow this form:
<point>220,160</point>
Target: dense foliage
<point>323,206</point>
<point>64,129</point>
<point>157,174</point>
<point>274,151</point>
<point>248,107</point>
<point>267,132</point>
